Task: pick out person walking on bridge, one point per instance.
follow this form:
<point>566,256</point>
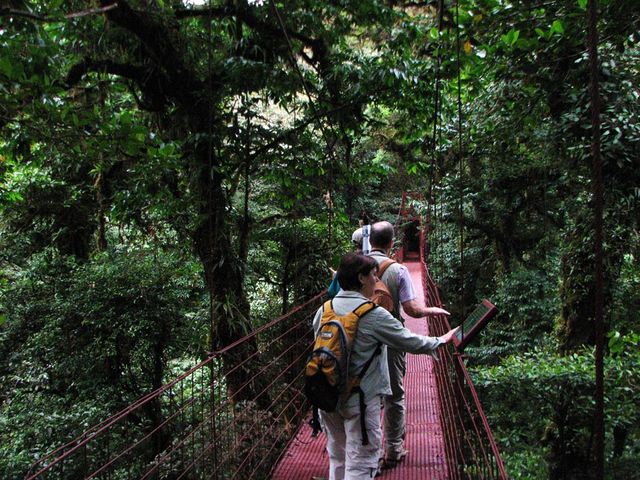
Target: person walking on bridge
<point>398,280</point>
<point>351,457</point>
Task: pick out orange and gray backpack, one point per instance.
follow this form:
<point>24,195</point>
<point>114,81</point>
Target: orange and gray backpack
<point>381,294</point>
<point>327,370</point>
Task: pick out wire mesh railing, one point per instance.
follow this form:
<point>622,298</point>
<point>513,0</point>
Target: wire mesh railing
<point>230,416</point>
<point>472,452</point>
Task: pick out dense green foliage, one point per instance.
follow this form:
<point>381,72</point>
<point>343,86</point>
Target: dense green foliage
<point>174,174</point>
<point>560,390</point>
<point>93,338</point>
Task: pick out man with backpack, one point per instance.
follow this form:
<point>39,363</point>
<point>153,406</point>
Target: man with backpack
<point>397,279</point>
<point>351,419</point>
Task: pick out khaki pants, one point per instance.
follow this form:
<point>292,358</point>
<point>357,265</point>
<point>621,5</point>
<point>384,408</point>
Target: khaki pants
<point>394,409</point>
<point>348,458</point>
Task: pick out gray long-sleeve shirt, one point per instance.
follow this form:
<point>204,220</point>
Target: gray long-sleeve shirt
<point>376,327</point>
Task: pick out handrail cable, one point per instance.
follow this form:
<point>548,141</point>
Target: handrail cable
<point>82,440</point>
<point>214,412</point>
<point>452,363</point>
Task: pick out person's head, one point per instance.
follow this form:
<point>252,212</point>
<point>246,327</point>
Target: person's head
<point>357,272</point>
<point>381,235</point>
<point>356,239</point>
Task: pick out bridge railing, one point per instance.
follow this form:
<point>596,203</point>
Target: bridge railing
<point>230,416</point>
<point>472,452</point>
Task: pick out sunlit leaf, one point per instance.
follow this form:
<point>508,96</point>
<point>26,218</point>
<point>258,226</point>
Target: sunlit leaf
<point>557,26</point>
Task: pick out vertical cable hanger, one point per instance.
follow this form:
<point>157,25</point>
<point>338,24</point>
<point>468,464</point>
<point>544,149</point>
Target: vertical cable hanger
<point>210,220</point>
<point>434,141</point>
<point>330,145</point>
<point>440,166</point>
<point>598,201</point>
<point>460,166</point>
<point>210,227</point>
<point>247,186</point>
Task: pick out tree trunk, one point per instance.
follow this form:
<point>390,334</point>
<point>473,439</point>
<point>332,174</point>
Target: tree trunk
<point>223,275</point>
<point>577,289</point>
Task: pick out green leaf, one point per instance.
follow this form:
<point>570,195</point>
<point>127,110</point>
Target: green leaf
<point>582,4</point>
<point>557,26</point>
<point>511,37</point>
<point>14,197</point>
<point>615,342</point>
<point>5,67</point>
<point>167,149</point>
<point>516,35</point>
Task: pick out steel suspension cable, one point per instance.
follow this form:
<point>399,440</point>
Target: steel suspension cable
<point>476,446</point>
<point>437,132</point>
<point>210,226</point>
<point>597,192</point>
<point>192,401</point>
<point>440,235</point>
<point>227,402</point>
<point>76,446</point>
<point>330,145</point>
<point>460,168</point>
<point>432,205</point>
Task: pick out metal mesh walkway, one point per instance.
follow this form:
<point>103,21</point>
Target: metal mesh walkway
<point>307,458</point>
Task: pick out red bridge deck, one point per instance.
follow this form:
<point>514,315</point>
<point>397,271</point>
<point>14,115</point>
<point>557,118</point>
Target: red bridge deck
<point>307,457</point>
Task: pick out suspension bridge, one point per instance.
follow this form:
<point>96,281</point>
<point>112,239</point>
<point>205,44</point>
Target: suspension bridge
<point>241,413</point>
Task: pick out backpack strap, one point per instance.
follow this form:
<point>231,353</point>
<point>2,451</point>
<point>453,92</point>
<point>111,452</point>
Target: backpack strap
<point>369,362</point>
<point>314,422</point>
<point>328,306</point>
<point>384,265</point>
<point>364,308</point>
<point>363,420</point>
<point>363,405</point>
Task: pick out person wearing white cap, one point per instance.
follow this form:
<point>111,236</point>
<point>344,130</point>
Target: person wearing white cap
<point>356,238</point>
